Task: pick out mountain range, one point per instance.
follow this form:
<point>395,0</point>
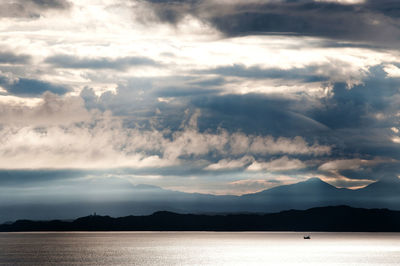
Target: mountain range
<point>145,199</point>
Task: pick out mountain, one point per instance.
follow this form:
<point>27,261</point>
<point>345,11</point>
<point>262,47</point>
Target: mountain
<point>145,199</point>
<point>383,193</point>
<point>303,195</point>
<point>311,193</point>
<point>334,219</point>
<point>383,188</point>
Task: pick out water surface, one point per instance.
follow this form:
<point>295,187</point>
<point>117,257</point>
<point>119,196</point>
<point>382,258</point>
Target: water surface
<point>198,248</point>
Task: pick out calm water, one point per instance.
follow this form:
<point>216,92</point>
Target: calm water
<point>198,248</point>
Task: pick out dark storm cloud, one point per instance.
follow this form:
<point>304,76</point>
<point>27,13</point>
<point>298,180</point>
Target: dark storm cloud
<point>347,119</point>
<point>360,117</point>
<point>12,58</point>
<point>375,21</point>
<point>390,8</point>
<point>357,106</point>
<point>304,74</point>
<point>130,99</point>
<point>31,8</point>
<point>66,61</point>
<point>355,121</point>
<point>256,114</point>
<point>30,87</point>
<point>252,113</point>
<point>139,98</point>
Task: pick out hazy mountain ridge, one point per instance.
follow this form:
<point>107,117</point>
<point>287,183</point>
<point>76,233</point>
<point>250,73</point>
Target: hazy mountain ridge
<point>144,200</point>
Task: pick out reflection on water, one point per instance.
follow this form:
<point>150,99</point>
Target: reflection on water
<point>198,248</point>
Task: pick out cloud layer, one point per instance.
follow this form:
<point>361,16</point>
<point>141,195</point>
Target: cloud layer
<point>368,21</point>
<point>200,95</point>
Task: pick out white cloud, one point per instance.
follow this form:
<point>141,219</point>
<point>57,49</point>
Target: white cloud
<point>392,71</point>
<point>344,182</point>
<point>277,165</point>
<point>297,145</point>
<point>396,139</point>
<point>49,110</point>
<point>230,164</point>
<point>89,146</point>
<point>59,132</point>
<point>351,164</point>
<point>337,165</point>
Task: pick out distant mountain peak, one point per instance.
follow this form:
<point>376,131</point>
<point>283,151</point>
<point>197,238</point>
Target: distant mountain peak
<point>306,188</point>
<point>391,184</point>
<point>315,179</point>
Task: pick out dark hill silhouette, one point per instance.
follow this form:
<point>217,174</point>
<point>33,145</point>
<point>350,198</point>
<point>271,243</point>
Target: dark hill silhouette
<point>338,218</point>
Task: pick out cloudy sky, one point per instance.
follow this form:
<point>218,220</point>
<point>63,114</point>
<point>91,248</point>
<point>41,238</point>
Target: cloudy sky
<point>222,97</point>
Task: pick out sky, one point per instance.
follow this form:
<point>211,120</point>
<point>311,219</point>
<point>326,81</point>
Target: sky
<point>220,97</point>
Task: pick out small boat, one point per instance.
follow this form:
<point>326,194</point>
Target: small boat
<point>307,237</point>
